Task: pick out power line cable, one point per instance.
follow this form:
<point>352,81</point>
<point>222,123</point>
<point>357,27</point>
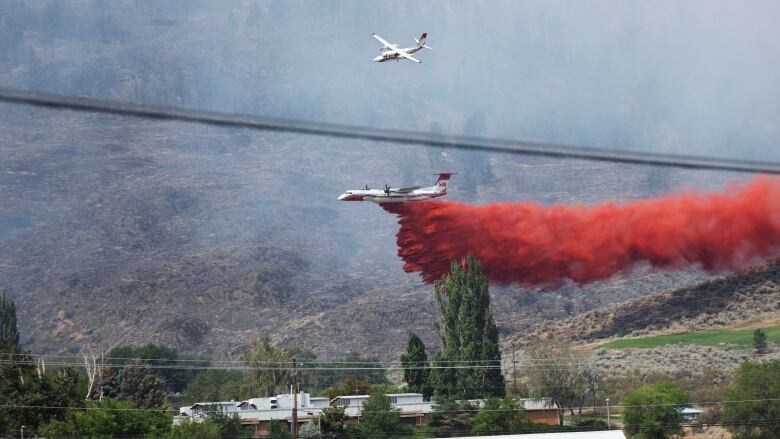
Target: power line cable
<point>490,145</point>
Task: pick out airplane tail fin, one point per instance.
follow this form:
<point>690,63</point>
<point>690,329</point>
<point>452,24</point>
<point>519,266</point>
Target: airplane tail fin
<point>443,178</point>
<point>421,41</point>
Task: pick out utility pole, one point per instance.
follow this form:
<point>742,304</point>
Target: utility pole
<point>295,401</point>
<point>609,426</point>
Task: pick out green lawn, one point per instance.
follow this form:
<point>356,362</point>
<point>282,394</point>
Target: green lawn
<point>713,337</point>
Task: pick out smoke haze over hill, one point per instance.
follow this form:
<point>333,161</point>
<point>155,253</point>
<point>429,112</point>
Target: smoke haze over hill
<point>113,228</point>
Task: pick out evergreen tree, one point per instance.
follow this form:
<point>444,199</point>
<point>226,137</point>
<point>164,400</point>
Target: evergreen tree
<point>331,421</point>
<point>759,341</point>
<point>278,429</point>
<point>451,417</point>
<point>138,384</point>
<point>9,333</point>
<point>176,379</point>
<point>23,386</point>
<point>21,390</point>
<point>499,416</point>
<point>469,335</point>
<point>414,362</point>
<point>380,419</point>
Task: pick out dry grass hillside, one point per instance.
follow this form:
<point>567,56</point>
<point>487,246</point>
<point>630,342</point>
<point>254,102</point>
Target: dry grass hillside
<point>737,299</point>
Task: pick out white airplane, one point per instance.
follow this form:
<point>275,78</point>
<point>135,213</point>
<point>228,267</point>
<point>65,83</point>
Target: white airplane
<point>393,52</point>
<point>399,195</point>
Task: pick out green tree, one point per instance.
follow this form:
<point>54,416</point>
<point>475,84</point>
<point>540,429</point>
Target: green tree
<point>569,386</point>
<point>352,366</point>
<point>176,378</point>
<point>759,341</point>
<point>415,363</point>
<point>213,385</point>
<point>109,418</point>
<point>24,388</point>
<point>9,333</point>
<point>754,408</point>
<point>380,418</point>
<point>67,389</point>
<point>451,417</point>
<point>141,386</point>
<point>189,428</point>
<point>499,415</point>
<point>278,430</point>
<point>332,421</point>
<point>309,430</point>
<point>229,424</point>
<point>469,335</point>
<point>653,411</point>
<point>269,369</point>
<point>22,391</point>
<point>350,386</point>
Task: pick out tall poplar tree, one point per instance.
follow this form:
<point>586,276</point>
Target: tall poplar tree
<point>415,363</point>
<point>9,333</point>
<point>469,336</point>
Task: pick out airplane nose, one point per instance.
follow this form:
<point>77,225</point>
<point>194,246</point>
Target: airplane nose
<point>343,197</point>
<point>377,59</point>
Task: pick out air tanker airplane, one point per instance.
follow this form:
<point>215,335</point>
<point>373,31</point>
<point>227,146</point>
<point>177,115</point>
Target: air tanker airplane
<point>390,52</point>
<point>399,195</point>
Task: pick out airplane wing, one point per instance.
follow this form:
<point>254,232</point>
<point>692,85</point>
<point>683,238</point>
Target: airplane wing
<point>384,41</point>
<point>405,190</point>
<point>403,54</point>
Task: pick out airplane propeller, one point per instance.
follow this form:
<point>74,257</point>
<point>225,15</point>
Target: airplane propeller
<point>387,189</point>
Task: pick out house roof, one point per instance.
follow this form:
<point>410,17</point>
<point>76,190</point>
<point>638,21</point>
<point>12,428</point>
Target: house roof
<point>536,404</point>
<point>234,403</point>
<point>366,396</point>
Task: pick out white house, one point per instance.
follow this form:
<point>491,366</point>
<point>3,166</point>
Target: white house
<point>259,411</point>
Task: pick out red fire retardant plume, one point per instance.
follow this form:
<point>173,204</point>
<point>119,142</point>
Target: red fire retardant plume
<point>534,244</point>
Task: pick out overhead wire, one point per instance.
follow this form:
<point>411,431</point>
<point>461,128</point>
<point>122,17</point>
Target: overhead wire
<point>307,365</point>
<point>345,131</point>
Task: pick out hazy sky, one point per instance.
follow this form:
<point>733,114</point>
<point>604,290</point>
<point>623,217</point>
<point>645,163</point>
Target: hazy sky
<point>696,77</point>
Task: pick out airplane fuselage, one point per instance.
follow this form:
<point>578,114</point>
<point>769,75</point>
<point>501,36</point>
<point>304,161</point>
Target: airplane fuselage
<point>379,196</point>
<point>389,55</point>
<point>399,195</point>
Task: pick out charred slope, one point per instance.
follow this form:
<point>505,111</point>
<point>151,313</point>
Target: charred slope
<point>749,295</point>
<point>124,231</point>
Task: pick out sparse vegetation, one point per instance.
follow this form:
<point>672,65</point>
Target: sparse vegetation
<point>743,298</point>
<point>712,337</point>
